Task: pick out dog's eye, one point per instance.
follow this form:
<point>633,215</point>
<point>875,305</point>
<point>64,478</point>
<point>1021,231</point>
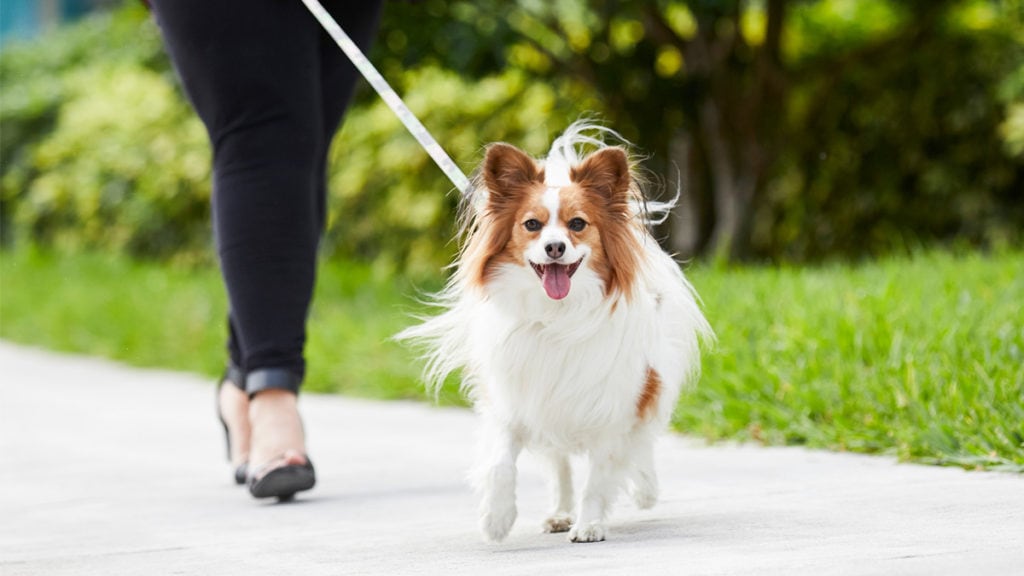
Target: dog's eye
<point>577,224</point>
<point>532,225</point>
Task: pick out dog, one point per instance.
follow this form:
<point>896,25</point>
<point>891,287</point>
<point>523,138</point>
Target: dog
<point>573,330</point>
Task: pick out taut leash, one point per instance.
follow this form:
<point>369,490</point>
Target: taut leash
<point>391,98</point>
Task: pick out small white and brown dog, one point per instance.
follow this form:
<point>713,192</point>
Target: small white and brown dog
<point>573,330</point>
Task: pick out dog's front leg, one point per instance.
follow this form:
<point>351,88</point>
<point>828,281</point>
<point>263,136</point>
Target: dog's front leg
<point>561,488</point>
<point>497,480</point>
<point>607,472</point>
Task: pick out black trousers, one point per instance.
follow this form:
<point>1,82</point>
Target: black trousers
<point>271,87</point>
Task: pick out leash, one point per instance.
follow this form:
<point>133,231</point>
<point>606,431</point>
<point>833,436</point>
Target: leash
<point>388,94</point>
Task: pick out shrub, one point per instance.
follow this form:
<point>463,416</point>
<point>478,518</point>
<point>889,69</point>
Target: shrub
<point>126,168</point>
<point>99,148</point>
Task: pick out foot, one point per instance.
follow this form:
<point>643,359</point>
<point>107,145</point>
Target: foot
<point>283,477</point>
<point>277,436</point>
<point>644,492</point>
<point>560,522</point>
<point>591,532</point>
<point>496,522</point>
<point>234,409</point>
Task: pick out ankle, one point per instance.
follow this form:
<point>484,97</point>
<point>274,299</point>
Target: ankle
<point>276,426</point>
<point>276,410</point>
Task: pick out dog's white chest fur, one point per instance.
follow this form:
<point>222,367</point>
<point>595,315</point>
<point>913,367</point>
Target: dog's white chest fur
<point>561,380</point>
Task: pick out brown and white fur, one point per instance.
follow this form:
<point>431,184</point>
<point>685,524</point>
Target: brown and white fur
<point>574,331</point>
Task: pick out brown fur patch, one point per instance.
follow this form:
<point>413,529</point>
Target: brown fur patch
<point>510,176</point>
<point>647,403</point>
<point>605,176</point>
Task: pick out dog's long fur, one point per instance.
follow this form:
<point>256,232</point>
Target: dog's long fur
<point>589,364</point>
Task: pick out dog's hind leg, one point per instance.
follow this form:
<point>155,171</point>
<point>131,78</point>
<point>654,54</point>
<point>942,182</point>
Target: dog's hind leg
<point>608,467</point>
<point>562,493</point>
<point>496,480</point>
<point>643,478</point>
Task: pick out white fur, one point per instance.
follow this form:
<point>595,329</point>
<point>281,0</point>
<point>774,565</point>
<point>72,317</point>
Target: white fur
<point>564,377</point>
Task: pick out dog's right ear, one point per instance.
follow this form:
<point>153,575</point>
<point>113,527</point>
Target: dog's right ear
<point>508,171</point>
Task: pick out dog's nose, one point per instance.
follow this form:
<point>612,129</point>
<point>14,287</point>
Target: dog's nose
<point>555,250</point>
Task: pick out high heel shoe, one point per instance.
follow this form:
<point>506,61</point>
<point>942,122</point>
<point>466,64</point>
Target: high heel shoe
<point>231,376</point>
<point>274,480</point>
<point>290,471</point>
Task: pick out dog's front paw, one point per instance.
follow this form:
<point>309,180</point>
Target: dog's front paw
<point>645,498</point>
<point>593,532</point>
<point>497,521</point>
<point>557,523</point>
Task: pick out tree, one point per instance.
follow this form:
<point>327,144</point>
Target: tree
<point>707,87</point>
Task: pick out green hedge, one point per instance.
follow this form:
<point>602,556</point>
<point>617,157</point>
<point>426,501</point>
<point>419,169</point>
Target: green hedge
<point>905,152</point>
<point>100,149</point>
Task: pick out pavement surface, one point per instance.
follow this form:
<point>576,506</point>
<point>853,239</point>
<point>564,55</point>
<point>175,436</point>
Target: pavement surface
<point>109,470</point>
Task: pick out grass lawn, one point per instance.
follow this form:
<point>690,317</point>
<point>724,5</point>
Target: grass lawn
<point>920,358</point>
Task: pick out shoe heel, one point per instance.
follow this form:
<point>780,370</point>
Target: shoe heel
<point>231,376</point>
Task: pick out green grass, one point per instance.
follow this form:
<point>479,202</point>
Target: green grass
<point>164,316</point>
<point>142,314</point>
<point>920,358</point>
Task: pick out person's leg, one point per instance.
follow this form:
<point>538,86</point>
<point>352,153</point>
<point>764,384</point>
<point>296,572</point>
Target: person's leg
<point>262,77</point>
<point>251,71</point>
<point>233,409</point>
<point>339,76</point>
<point>233,406</point>
<point>274,437</point>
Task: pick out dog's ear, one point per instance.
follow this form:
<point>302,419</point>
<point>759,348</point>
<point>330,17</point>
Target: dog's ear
<point>605,172</point>
<point>508,170</point>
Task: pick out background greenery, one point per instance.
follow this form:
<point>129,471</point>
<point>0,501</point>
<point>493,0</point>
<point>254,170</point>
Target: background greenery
<point>818,129</point>
<point>810,132</point>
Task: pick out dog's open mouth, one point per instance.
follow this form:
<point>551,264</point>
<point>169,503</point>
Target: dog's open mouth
<point>556,277</point>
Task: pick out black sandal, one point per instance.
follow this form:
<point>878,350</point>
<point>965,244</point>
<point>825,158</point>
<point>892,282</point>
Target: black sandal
<point>282,482</point>
<point>231,375</point>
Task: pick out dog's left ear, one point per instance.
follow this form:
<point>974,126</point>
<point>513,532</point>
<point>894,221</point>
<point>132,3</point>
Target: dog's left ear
<point>605,172</point>
<point>508,170</point>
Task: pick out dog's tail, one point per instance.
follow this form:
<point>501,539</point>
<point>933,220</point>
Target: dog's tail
<point>442,341</point>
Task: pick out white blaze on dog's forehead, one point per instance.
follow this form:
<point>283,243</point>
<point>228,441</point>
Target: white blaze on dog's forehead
<point>556,171</point>
<point>550,201</point>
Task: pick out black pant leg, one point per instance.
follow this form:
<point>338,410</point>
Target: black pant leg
<point>338,75</point>
<point>253,70</point>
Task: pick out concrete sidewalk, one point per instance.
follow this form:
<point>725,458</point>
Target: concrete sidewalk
<point>112,470</point>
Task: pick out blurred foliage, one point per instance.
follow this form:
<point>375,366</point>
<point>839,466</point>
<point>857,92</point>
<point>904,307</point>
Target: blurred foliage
<point>910,152</point>
<point>847,127</point>
<point>1011,92</point>
<point>126,168</point>
<point>99,147</point>
<point>894,122</point>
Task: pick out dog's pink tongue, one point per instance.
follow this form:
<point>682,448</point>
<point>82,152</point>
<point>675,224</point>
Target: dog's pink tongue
<point>556,281</point>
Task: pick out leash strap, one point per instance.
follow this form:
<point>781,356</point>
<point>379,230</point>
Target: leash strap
<point>367,69</point>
